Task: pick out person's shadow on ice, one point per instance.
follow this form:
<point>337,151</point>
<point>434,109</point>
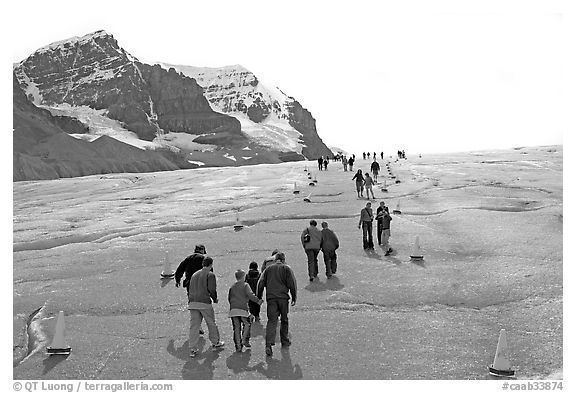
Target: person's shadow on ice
<point>280,369</point>
<point>200,367</point>
<point>238,362</point>
<point>332,284</point>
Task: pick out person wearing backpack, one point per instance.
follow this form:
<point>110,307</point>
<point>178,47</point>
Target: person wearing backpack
<point>188,267</point>
<point>311,239</point>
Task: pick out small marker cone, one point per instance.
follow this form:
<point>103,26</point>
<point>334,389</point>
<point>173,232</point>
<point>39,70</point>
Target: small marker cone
<point>167,272</point>
<point>296,190</point>
<point>501,366</point>
<point>416,252</point>
<point>311,183</point>
<point>307,199</point>
<point>58,346</point>
<point>315,181</point>
<point>238,226</point>
<point>397,210</point>
<point>384,189</point>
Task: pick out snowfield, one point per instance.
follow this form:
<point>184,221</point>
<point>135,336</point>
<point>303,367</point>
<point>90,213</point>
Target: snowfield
<point>489,225</point>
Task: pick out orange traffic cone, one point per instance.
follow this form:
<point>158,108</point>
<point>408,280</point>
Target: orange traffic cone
<point>397,210</point>
<point>59,346</point>
<point>416,252</point>
<point>167,272</point>
<point>501,366</point>
<point>307,199</point>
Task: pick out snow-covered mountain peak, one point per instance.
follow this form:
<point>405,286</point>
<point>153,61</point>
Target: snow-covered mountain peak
<point>75,41</point>
<point>235,89</point>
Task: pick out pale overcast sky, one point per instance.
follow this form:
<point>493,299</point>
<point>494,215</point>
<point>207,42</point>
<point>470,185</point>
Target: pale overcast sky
<point>425,76</point>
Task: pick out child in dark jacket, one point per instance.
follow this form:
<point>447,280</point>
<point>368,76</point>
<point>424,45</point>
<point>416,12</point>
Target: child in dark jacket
<point>238,297</point>
<point>252,279</point>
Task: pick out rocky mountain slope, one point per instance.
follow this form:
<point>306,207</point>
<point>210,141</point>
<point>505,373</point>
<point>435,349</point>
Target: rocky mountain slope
<point>92,87</point>
<point>266,113</point>
<point>43,149</point>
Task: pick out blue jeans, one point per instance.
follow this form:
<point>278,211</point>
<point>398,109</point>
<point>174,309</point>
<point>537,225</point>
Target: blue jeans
<point>312,255</point>
<point>195,321</point>
<point>275,308</point>
<point>367,234</point>
<point>330,262</point>
<point>241,328</point>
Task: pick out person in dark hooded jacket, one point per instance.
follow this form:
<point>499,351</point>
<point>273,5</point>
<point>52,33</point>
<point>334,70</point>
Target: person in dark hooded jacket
<point>188,267</point>
<point>329,246</point>
<point>252,278</point>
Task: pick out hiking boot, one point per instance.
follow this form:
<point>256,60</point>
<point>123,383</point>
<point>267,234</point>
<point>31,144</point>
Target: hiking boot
<point>217,346</point>
<point>286,344</point>
<point>268,350</point>
<point>247,344</point>
<point>311,279</point>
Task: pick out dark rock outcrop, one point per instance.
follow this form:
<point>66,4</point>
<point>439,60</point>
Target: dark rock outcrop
<point>301,119</point>
<point>43,150</point>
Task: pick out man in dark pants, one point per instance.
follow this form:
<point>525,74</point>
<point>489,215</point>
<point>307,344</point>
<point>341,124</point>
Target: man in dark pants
<point>365,222</point>
<point>330,244</point>
<point>279,280</point>
<point>312,247</point>
<point>190,265</point>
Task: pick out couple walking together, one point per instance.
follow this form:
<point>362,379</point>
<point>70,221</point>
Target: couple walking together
<point>383,228</point>
<point>313,240</point>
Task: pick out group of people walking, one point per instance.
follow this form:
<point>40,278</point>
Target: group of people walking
<point>347,162</point>
<point>367,182</point>
<point>244,297</point>
<point>367,154</point>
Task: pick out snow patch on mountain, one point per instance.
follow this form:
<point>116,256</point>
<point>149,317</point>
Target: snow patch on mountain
<point>274,133</point>
<point>99,124</point>
<point>183,141</point>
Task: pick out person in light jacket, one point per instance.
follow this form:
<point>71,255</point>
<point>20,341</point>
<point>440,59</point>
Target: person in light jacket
<point>365,223</point>
<point>312,247</point>
<point>238,296</point>
<point>201,294</point>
